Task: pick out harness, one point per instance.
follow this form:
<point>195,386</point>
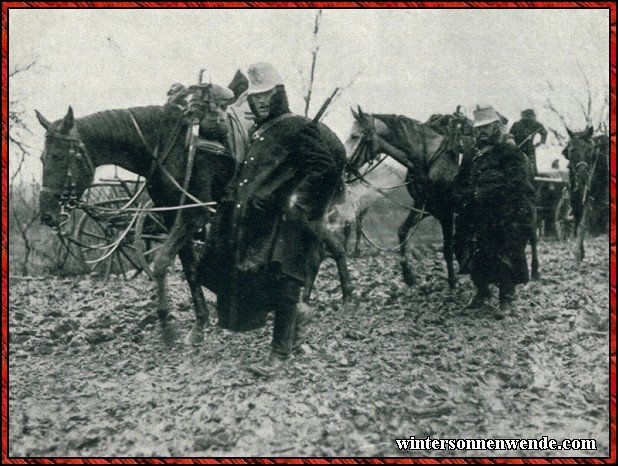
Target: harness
<point>77,153</point>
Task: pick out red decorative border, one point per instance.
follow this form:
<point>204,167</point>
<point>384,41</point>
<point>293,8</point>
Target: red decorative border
<point>7,5</point>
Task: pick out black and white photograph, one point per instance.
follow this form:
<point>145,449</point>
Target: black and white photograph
<point>308,232</point>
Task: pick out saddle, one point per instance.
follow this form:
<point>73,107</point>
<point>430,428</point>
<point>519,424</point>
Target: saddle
<point>199,104</point>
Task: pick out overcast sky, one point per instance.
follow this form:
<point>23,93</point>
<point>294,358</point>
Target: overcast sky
<point>411,62</point>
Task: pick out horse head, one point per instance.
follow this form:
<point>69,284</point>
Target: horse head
<point>67,169</point>
<point>580,151</point>
<point>362,145</point>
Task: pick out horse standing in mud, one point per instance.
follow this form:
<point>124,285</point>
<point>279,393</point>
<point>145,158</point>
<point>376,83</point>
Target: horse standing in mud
<point>150,142</point>
<point>588,158</point>
<point>432,160</point>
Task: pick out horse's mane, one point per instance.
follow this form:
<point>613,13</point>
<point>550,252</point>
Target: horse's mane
<point>115,127</point>
<point>392,120</point>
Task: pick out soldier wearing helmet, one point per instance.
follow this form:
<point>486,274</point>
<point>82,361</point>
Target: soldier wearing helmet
<point>524,132</point>
<point>502,212</point>
<point>268,227</point>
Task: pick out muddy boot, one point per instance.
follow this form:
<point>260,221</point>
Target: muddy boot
<point>483,294</point>
<point>284,331</point>
<point>507,298</point>
<point>304,316</point>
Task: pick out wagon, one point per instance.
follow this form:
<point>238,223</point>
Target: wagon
<point>114,231</point>
<point>554,217</point>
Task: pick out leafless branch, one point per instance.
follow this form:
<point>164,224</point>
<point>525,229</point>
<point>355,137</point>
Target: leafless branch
<point>22,68</point>
<point>314,54</point>
<point>24,214</point>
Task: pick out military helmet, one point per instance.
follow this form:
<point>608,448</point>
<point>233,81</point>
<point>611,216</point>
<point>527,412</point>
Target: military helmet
<point>485,115</point>
<point>263,77</point>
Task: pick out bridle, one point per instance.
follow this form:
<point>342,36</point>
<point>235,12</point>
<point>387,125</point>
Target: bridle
<point>365,148</point>
<point>583,163</point>
<point>67,194</point>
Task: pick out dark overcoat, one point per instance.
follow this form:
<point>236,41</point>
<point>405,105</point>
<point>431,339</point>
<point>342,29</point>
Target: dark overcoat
<point>268,226</point>
<point>503,213</point>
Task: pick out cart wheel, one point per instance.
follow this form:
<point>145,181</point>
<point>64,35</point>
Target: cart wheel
<point>94,235</point>
<point>66,252</point>
<point>150,234</point>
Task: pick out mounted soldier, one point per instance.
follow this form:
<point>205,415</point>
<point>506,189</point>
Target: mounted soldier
<point>502,209</point>
<point>524,132</point>
<point>268,227</point>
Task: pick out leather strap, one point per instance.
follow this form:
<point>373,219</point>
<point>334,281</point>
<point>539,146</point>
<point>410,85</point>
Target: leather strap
<point>266,126</point>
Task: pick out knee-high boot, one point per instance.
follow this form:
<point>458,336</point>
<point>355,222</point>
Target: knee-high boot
<point>284,331</point>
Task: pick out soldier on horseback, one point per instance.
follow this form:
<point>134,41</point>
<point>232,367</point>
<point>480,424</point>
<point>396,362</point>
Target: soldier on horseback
<point>268,226</point>
<point>502,205</point>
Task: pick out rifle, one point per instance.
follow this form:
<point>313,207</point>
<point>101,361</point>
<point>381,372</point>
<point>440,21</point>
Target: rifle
<point>531,135</point>
<point>325,106</point>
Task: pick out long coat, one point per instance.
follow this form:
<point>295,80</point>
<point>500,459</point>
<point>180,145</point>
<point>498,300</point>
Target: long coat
<point>269,224</point>
<point>523,132</point>
<point>503,213</point>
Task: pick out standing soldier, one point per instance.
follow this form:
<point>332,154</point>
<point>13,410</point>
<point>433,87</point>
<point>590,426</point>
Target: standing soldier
<point>502,206</point>
<point>524,132</point>
<point>267,228</point>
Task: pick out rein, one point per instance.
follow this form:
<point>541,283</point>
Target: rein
<point>157,162</point>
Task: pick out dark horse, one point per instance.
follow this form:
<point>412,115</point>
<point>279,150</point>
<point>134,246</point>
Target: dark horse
<point>431,152</point>
<point>150,142</point>
<point>588,158</point>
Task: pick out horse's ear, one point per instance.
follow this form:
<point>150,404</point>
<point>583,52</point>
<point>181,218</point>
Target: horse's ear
<point>68,121</point>
<point>354,114</point>
<point>45,123</point>
<point>589,131</point>
<point>361,113</point>
<point>571,134</point>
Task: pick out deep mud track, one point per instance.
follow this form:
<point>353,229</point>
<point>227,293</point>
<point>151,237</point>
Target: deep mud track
<point>89,375</point>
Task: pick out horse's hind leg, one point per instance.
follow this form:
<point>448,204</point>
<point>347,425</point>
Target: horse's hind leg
<point>412,219</point>
<point>447,222</point>
<point>337,251</point>
<point>347,231</point>
<point>535,258</point>
<point>359,225</point>
<point>189,265</point>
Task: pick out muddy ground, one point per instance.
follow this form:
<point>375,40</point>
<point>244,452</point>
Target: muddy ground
<point>90,376</point>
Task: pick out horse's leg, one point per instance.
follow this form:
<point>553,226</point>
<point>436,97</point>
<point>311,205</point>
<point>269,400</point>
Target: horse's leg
<point>581,231</point>
<point>347,231</point>
<point>412,219</point>
<point>337,251</point>
<point>359,224</point>
<point>447,222</point>
<point>314,267</point>
<point>162,262</point>
<point>189,266</point>
<point>533,243</point>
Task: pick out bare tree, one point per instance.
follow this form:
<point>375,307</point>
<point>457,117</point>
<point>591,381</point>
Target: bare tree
<point>310,78</point>
<point>22,198</point>
<point>314,58</point>
<point>593,108</point>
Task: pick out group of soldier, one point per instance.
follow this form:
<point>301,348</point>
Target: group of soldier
<point>267,227</point>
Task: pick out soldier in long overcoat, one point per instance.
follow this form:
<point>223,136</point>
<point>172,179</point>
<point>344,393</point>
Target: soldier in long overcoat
<point>524,132</point>
<point>268,227</point>
<point>502,206</point>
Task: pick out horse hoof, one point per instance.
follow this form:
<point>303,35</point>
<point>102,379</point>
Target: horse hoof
<point>536,275</point>
<point>194,337</point>
<point>452,285</point>
<point>169,331</point>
